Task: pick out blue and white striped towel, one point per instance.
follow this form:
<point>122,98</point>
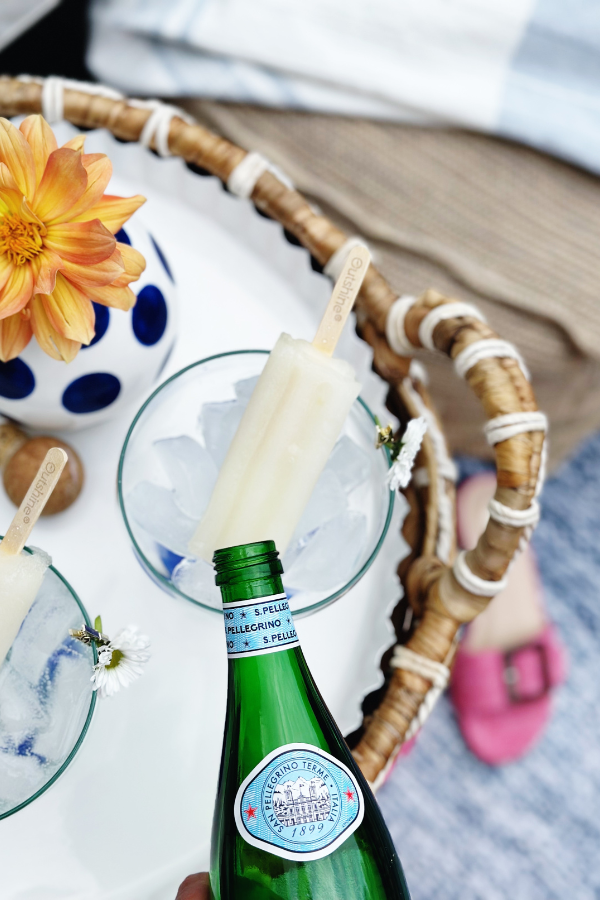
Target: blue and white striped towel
<point>523,69</point>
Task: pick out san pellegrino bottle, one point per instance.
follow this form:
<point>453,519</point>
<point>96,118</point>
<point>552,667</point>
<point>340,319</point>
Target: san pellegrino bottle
<point>294,817</point>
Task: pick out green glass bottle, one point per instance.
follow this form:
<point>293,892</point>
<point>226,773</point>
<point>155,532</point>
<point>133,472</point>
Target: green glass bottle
<point>294,817</point>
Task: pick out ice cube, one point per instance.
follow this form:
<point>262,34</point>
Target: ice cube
<point>219,423</point>
<point>330,556</point>
<point>244,388</point>
<point>20,777</point>
<point>44,629</point>
<point>191,471</point>
<point>21,708</point>
<point>68,695</point>
<point>326,501</point>
<point>351,463</point>
<point>154,509</point>
<point>196,579</point>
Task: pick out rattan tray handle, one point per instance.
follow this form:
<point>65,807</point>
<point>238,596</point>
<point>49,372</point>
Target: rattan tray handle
<point>443,592</point>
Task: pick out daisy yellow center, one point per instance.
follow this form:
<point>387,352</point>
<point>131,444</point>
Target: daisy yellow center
<point>19,240</point>
<point>117,656</point>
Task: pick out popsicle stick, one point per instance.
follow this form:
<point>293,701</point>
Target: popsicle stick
<point>34,501</point>
<point>342,299</point>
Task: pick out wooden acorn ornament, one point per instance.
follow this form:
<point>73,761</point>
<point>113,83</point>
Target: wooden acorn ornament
<point>21,457</point>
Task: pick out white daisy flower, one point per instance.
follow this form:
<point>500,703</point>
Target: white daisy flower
<point>399,473</point>
<point>121,661</point>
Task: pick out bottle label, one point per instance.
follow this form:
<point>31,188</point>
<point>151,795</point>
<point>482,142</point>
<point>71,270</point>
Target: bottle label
<point>299,803</point>
<point>259,626</point>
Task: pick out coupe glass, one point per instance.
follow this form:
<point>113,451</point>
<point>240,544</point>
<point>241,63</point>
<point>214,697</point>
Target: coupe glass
<point>170,459</point>
<point>46,696</point>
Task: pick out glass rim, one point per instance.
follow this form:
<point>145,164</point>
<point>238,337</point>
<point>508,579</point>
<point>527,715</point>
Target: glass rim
<point>88,719</point>
<point>168,585</point>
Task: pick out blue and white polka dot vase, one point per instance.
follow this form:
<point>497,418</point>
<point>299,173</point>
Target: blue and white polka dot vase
<point>125,358</point>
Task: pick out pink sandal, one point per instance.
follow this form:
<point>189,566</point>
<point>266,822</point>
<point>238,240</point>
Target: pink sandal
<point>503,700</point>
<point>501,685</point>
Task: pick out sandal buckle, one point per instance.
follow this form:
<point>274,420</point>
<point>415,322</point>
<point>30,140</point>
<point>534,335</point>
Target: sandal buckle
<point>511,674</point>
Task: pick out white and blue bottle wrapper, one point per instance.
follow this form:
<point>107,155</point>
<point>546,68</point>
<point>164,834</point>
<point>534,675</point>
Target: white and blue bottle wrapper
<point>299,803</point>
<point>259,626</point>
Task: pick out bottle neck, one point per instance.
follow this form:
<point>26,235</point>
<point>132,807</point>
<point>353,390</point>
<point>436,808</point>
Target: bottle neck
<point>252,589</point>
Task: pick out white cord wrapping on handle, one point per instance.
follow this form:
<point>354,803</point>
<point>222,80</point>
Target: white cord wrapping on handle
<point>502,428</point>
<point>492,348</point>
<point>156,127</point>
<point>473,583</point>
<point>394,326</point>
<point>158,124</point>
<point>334,265</point>
<point>407,659</point>
<point>242,179</point>
<point>514,518</point>
<point>53,93</point>
<point>436,672</point>
<point>455,310</point>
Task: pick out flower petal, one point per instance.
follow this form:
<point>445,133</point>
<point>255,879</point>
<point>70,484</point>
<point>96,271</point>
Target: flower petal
<point>100,274</point>
<point>112,211</point>
<point>70,312</point>
<point>99,171</point>
<point>11,198</point>
<point>6,267</point>
<point>40,138</point>
<point>117,297</point>
<point>15,334</point>
<point>64,181</point>
<point>85,243</point>
<point>134,265</point>
<point>45,266</point>
<point>49,339</point>
<point>17,291</point>
<point>76,143</point>
<point>6,179</point>
<point>18,156</point>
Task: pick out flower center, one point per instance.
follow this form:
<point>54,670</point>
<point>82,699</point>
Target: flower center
<point>117,656</point>
<point>19,240</point>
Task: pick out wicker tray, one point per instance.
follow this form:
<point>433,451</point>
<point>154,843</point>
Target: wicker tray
<point>444,590</point>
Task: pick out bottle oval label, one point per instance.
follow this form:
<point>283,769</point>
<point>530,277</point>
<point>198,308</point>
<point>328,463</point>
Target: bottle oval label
<point>299,803</point>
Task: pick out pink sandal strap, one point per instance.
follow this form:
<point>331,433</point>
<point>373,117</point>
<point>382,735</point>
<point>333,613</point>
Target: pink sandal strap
<point>492,681</point>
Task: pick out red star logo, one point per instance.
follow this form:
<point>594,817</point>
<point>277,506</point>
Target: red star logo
<point>251,811</point>
<point>349,795</point>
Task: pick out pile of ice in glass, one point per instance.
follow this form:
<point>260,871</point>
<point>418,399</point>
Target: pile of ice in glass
<point>45,695</point>
<point>330,537</point>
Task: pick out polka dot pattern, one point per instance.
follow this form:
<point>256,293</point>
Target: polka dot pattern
<point>149,315</point>
<point>163,260</point>
<point>16,380</point>
<point>102,320</point>
<point>91,392</point>
<point>122,237</point>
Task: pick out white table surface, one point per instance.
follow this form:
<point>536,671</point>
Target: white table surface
<point>131,816</point>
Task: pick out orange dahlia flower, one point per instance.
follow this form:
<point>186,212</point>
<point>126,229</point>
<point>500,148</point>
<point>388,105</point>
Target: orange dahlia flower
<point>58,251</point>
